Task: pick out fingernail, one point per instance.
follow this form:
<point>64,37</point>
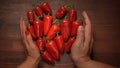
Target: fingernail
<point>27,32</point>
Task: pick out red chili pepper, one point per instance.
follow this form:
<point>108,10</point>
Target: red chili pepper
<point>75,26</point>
<point>65,27</point>
<point>30,16</point>
<point>53,50</point>
<point>48,58</point>
<point>30,28</point>
<point>41,44</point>
<point>53,31</point>
<point>69,44</point>
<point>38,27</point>
<point>46,8</point>
<point>60,43</point>
<point>61,12</point>
<point>47,23</point>
<point>72,15</point>
<point>38,11</point>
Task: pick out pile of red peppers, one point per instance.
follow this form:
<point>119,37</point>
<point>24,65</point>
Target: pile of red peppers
<point>53,37</point>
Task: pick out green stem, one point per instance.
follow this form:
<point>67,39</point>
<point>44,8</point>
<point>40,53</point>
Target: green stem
<point>65,18</point>
<point>47,41</point>
<point>41,2</point>
<point>28,24</point>
<point>58,33</point>
<point>57,22</point>
<point>41,52</point>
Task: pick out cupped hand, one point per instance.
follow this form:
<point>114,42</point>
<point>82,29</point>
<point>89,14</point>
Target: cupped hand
<point>82,45</point>
<point>32,49</point>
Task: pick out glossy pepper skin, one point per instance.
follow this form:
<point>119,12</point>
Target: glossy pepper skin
<point>38,27</point>
<point>72,14</point>
<point>30,28</point>
<point>38,11</point>
<point>53,31</point>
<point>47,23</point>
<point>65,27</point>
<point>46,8</point>
<point>69,44</point>
<point>75,26</point>
<point>53,50</point>
<point>60,43</point>
<point>61,12</point>
<point>48,58</point>
<point>41,44</point>
<point>30,16</point>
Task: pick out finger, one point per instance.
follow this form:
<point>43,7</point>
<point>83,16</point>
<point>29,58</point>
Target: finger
<point>29,40</point>
<point>91,44</point>
<point>87,29</point>
<point>80,37</point>
<point>23,29</point>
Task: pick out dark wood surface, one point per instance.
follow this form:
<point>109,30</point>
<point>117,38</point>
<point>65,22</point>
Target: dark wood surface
<point>105,17</point>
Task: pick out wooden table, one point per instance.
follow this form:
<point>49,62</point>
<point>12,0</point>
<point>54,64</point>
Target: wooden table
<point>104,14</point>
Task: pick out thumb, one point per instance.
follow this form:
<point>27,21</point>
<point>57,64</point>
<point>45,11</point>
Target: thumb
<point>80,36</point>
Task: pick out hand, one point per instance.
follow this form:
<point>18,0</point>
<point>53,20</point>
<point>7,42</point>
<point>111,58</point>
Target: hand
<point>81,47</point>
<point>32,49</point>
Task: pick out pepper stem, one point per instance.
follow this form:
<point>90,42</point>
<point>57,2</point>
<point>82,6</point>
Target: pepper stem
<point>41,52</point>
<point>58,33</point>
<point>65,18</point>
<point>28,24</point>
<point>41,2</point>
<point>47,41</point>
<point>57,22</point>
<point>69,6</point>
<point>48,14</point>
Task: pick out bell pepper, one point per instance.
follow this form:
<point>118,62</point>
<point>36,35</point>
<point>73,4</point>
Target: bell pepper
<point>72,14</point>
<point>46,8</point>
<point>74,28</point>
<point>38,27</point>
<point>61,12</point>
<point>60,43</point>
<point>47,23</point>
<point>41,44</point>
<point>38,11</point>
<point>69,44</point>
<point>30,28</point>
<point>48,58</point>
<point>65,26</point>
<point>53,50</point>
<point>30,16</point>
<point>53,30</point>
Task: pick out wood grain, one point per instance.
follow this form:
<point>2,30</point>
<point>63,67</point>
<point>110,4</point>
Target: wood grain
<point>104,14</point>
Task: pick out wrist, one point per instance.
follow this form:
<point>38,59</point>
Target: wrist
<point>33,60</point>
<point>82,61</point>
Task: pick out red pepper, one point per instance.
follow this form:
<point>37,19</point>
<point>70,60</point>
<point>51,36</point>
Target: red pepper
<point>53,50</point>
<point>47,23</point>
<point>38,11</point>
<point>61,12</point>
<point>38,27</point>
<point>48,58</point>
<point>72,15</point>
<point>46,8</point>
<point>65,27</point>
<point>41,44</point>
<point>53,31</point>
<point>69,44</point>
<point>30,28</point>
<point>30,16</point>
<point>75,26</point>
<point>60,43</point>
